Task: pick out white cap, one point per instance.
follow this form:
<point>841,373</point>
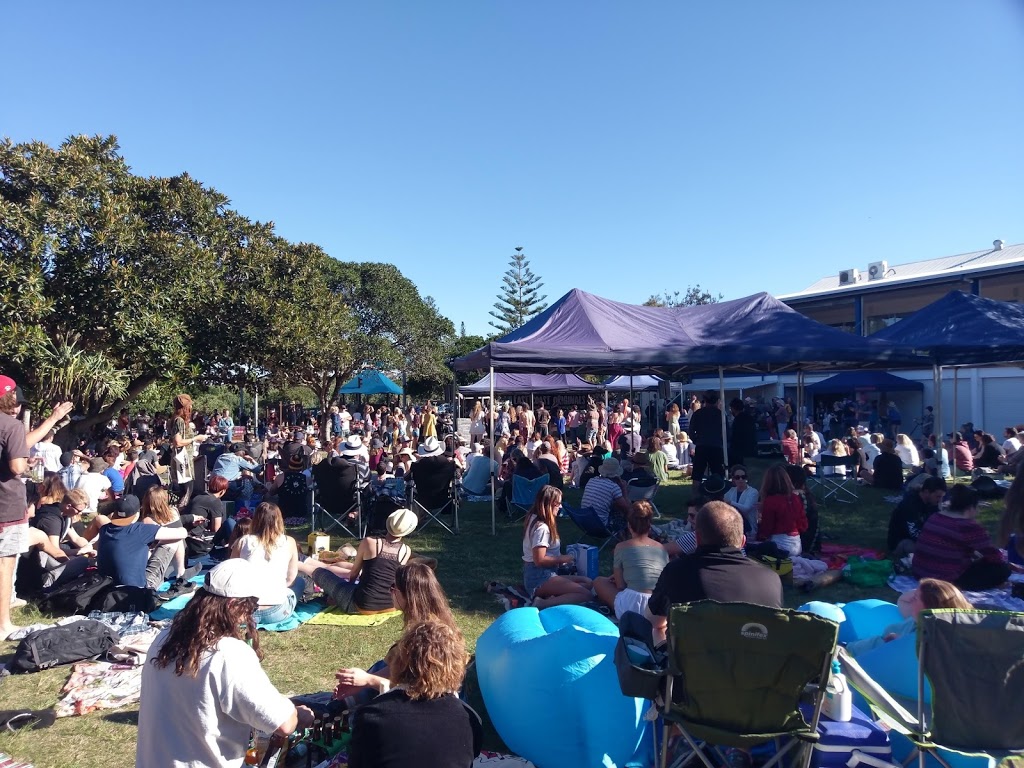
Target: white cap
<point>240,578</point>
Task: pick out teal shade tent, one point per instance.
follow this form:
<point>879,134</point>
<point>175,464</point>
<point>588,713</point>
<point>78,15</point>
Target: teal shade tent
<point>370,382</point>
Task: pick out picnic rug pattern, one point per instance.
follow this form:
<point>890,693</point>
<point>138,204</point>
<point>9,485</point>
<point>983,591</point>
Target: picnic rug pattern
<point>332,617</point>
<point>1000,598</point>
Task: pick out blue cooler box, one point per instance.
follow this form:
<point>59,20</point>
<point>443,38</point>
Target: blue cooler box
<point>586,557</point>
<point>838,741</point>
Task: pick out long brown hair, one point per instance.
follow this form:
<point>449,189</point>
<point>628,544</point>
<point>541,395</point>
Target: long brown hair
<point>424,597</point>
<point>204,620</point>
<point>545,510</point>
<point>267,526</point>
<point>156,506</point>
<point>52,490</point>
<point>776,482</point>
<point>183,406</point>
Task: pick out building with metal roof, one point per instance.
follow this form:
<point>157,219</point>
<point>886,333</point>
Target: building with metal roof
<point>865,299</point>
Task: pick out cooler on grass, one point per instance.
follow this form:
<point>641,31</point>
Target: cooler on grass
<point>838,741</point>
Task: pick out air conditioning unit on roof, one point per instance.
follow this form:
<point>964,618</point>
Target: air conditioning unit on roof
<point>877,270</point>
<point>849,276</point>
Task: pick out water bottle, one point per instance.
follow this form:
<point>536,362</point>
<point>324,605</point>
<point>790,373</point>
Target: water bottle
<point>838,703</point>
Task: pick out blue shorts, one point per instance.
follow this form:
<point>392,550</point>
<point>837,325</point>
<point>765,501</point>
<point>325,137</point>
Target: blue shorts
<point>534,576</point>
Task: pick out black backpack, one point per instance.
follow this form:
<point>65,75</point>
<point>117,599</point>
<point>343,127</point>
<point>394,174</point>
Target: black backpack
<point>125,599</point>
<point>53,646</point>
<point>76,596</point>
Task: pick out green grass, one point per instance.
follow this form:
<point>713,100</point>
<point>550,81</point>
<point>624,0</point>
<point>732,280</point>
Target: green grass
<point>305,659</point>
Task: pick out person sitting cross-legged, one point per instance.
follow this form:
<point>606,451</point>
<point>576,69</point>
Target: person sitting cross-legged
<point>542,555</point>
<point>638,562</point>
<point>123,547</point>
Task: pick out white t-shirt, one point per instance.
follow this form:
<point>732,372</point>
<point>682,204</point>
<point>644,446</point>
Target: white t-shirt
<point>540,536</point>
<point>204,722</point>
<point>1011,444</point>
<point>95,485</point>
<point>276,568</point>
<point>49,453</point>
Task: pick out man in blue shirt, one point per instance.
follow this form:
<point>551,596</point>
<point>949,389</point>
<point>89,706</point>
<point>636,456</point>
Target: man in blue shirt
<point>226,426</point>
<point>231,463</point>
<point>123,551</point>
<point>112,473</point>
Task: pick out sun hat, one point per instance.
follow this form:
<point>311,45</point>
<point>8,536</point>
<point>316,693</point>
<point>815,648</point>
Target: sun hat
<point>125,510</point>
<point>640,457</point>
<point>97,465</point>
<point>240,578</point>
<point>352,446</point>
<point>405,452</point>
<point>430,447</point>
<point>402,522</point>
<point>611,468</point>
<point>297,462</point>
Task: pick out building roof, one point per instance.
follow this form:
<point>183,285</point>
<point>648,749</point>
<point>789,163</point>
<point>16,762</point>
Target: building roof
<point>916,271</point>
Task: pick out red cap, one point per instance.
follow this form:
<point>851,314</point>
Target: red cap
<point>7,384</point>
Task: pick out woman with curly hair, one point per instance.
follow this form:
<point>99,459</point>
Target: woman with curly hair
<point>203,689</point>
<point>421,720</point>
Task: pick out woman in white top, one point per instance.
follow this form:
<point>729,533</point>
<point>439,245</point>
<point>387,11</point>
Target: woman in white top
<point>907,451</point>
<point>477,423</point>
<point>275,554</point>
<point>542,554</point>
<point>835,448</point>
<point>744,498</point>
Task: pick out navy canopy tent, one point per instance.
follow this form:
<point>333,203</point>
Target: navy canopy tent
<point>961,329</point>
<point>370,382</point>
<point>530,382</point>
<point>632,383</point>
<point>583,332</point>
<point>859,381</point>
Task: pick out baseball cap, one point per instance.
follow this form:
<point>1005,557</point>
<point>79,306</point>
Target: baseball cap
<point>125,510</point>
<point>240,578</point>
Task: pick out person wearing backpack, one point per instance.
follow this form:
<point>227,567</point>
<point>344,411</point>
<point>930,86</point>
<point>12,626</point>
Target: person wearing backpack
<point>203,689</point>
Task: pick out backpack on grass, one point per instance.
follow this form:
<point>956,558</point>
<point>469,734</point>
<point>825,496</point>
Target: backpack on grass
<point>76,596</point>
<point>53,646</point>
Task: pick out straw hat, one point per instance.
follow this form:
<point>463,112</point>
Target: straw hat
<point>402,522</point>
<point>430,447</point>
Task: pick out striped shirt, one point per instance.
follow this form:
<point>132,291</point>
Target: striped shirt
<point>947,546</point>
<point>599,495</point>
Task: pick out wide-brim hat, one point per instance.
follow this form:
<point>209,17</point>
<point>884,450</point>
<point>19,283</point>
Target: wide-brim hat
<point>611,468</point>
<point>240,578</point>
<point>402,522</point>
<point>97,465</point>
<point>430,447</point>
<point>297,462</point>
<point>125,511</point>
<point>640,457</point>
<point>352,446</point>
<point>406,452</point>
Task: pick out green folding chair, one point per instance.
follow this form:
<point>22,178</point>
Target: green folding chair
<point>738,674</point>
<point>974,663</point>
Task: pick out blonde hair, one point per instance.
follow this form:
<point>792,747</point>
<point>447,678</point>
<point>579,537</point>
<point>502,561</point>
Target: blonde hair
<point>838,447</point>
<point>902,439</point>
<point>156,506</point>
<point>938,594</point>
<point>429,660</point>
<point>267,526</point>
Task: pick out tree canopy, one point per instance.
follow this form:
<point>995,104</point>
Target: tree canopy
<point>518,296</point>
<point>694,296</point>
<point>113,282</point>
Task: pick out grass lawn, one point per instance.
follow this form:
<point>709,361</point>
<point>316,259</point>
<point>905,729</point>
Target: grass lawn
<point>304,660</point>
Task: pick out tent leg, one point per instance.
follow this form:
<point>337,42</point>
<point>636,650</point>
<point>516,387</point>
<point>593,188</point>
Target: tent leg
<point>937,407</point>
<point>494,474</point>
<point>956,397</point>
<point>721,407</point>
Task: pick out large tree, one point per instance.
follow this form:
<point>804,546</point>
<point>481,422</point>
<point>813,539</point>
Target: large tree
<point>519,297</point>
<point>694,296</point>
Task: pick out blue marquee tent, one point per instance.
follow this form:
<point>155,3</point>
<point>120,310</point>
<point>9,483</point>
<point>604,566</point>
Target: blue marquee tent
<point>854,381</point>
<point>637,384</point>
<point>530,382</point>
<point>370,382</point>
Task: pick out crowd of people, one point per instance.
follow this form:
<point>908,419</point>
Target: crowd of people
<point>133,500</point>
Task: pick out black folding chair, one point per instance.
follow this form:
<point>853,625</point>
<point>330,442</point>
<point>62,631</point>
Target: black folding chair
<point>435,495</point>
<point>832,485</point>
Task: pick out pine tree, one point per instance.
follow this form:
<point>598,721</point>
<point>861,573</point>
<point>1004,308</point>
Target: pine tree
<point>517,298</point>
<point>462,329</point>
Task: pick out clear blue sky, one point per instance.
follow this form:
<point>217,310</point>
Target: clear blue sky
<point>629,147</point>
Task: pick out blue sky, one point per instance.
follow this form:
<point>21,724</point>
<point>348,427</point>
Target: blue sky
<point>628,147</point>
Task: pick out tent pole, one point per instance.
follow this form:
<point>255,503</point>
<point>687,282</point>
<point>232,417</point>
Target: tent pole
<point>937,407</point>
<point>956,397</point>
<point>256,411</point>
<point>605,420</point>
<point>494,474</point>
<point>721,407</point>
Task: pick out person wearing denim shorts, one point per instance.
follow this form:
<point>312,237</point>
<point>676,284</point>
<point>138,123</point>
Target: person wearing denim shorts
<point>542,554</point>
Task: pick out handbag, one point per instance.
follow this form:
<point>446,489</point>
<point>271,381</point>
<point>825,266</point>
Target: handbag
<point>182,465</point>
<point>640,668</point>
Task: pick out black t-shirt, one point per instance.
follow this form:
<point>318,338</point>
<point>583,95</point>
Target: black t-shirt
<point>725,575</point>
<point>50,521</point>
<point>990,456</point>
<point>394,731</point>
<point>907,519</point>
<point>888,471</point>
<point>207,505</point>
<point>706,426</point>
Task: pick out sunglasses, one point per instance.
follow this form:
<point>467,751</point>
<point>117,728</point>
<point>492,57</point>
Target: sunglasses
<point>739,477</point>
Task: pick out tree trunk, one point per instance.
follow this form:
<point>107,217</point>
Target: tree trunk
<point>67,437</point>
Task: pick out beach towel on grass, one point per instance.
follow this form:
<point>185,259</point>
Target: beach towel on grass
<point>303,611</point>
<point>1001,598</point>
<point>335,618</point>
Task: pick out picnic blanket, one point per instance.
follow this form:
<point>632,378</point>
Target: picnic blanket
<point>836,555</point>
<point>1001,597</point>
<point>335,618</point>
<point>6,761</point>
<point>303,611</point>
<point>99,685</point>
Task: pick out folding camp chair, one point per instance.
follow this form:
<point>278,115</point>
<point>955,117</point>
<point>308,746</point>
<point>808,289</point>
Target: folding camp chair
<point>330,514</point>
<point>593,524</point>
<point>840,487</point>
<point>438,498</point>
<point>974,661</point>
<point>738,674</point>
<point>523,493</point>
<point>644,489</point>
